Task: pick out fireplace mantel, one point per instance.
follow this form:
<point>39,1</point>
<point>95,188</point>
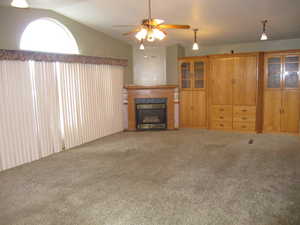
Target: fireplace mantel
<point>160,91</point>
<point>140,87</point>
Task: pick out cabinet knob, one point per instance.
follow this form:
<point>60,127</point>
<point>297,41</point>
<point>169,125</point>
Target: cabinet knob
<point>244,110</point>
<point>244,118</point>
<point>221,125</point>
<point>221,110</point>
<point>221,117</point>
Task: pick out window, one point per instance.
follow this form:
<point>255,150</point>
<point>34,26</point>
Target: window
<point>48,35</point>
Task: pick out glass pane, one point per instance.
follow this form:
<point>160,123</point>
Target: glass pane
<point>274,60</point>
<point>292,67</point>
<point>274,68</point>
<point>291,80</point>
<point>199,83</point>
<point>185,70</point>
<point>292,59</point>
<point>274,81</point>
<point>199,70</point>
<point>186,83</point>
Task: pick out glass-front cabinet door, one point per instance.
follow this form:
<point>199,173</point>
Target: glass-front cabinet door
<point>273,73</point>
<point>186,76</point>
<point>291,72</point>
<point>199,71</point>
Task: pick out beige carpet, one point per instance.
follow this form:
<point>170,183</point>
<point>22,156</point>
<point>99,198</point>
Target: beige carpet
<point>186,177</point>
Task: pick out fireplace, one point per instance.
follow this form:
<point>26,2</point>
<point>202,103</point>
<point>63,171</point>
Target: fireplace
<point>151,113</point>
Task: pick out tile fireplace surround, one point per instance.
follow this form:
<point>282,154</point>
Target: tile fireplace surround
<point>133,92</point>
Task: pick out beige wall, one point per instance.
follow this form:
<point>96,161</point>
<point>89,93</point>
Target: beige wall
<point>13,21</point>
<point>270,45</point>
<point>173,53</point>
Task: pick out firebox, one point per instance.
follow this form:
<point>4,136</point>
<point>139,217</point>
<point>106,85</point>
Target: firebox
<point>151,113</point>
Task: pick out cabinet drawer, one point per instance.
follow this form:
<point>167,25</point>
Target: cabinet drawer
<point>244,118</point>
<point>222,117</point>
<point>244,110</point>
<point>221,125</point>
<point>221,110</point>
<point>244,126</point>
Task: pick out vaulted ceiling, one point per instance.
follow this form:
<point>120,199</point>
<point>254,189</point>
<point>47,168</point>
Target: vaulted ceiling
<point>219,22</point>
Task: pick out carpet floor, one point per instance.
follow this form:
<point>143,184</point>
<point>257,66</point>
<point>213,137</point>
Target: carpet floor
<point>184,177</point>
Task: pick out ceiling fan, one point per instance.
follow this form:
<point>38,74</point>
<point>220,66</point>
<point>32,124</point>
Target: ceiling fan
<point>152,29</point>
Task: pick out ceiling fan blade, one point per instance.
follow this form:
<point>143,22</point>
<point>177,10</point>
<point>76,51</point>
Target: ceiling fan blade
<point>158,21</point>
<point>132,32</point>
<point>173,26</point>
<point>124,26</point>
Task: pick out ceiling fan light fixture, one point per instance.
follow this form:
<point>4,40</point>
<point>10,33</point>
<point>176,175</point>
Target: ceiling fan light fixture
<point>264,36</point>
<point>150,36</point>
<point>142,47</point>
<point>158,34</point>
<point>19,3</point>
<point>142,34</point>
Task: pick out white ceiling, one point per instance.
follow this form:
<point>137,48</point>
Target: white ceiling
<point>219,21</point>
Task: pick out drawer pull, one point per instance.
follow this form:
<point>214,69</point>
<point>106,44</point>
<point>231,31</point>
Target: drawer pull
<point>244,118</point>
<point>222,110</point>
<point>244,110</point>
<point>221,117</point>
<point>244,126</point>
<point>221,125</point>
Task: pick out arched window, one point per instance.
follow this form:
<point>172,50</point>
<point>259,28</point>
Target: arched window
<point>48,35</point>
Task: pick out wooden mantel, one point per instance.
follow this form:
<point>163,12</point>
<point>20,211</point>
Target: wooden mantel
<point>160,91</point>
<point>139,87</point>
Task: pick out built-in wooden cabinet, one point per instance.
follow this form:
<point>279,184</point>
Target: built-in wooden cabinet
<point>193,75</point>
<point>282,93</point>
<point>253,92</point>
<point>233,92</point>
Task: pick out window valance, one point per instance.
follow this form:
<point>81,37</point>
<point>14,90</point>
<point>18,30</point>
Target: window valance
<point>19,55</point>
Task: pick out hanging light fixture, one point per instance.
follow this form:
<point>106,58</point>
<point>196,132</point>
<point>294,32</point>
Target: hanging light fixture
<point>195,45</point>
<point>264,34</point>
<point>142,34</point>
<point>19,3</point>
<point>142,47</point>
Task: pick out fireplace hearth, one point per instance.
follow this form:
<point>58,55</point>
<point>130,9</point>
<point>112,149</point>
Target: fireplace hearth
<point>151,113</point>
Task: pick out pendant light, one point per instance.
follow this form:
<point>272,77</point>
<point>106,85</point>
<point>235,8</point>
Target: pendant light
<point>19,3</point>
<point>264,35</point>
<point>195,45</point>
<point>142,47</point>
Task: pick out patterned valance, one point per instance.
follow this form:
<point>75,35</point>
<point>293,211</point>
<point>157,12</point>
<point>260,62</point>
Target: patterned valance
<point>53,57</point>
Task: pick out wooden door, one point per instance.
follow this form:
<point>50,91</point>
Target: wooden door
<point>245,80</point>
<point>290,113</point>
<point>186,106</point>
<point>199,109</point>
<point>221,81</point>
<point>272,111</point>
<point>185,68</point>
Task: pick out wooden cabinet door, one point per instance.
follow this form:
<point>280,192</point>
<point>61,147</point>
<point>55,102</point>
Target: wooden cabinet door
<point>199,70</point>
<point>221,81</point>
<point>290,120</point>
<point>199,109</point>
<point>291,72</point>
<point>245,80</point>
<point>272,109</point>
<point>185,68</point>
<point>273,72</point>
<point>186,106</point>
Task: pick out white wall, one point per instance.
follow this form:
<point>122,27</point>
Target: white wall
<point>149,66</point>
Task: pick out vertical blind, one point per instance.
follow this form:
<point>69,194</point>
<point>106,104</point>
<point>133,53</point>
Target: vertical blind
<point>45,104</point>
<point>91,98</point>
